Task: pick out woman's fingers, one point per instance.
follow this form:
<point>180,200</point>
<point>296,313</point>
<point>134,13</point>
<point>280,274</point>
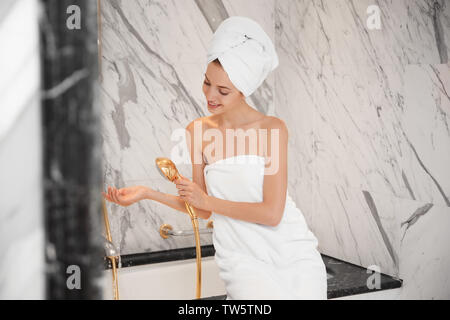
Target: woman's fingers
<point>183,188</point>
<point>182,181</point>
<point>114,194</point>
<point>106,196</point>
<point>109,194</point>
<point>122,196</point>
<point>184,193</point>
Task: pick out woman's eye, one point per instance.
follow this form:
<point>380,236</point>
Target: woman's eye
<point>224,94</point>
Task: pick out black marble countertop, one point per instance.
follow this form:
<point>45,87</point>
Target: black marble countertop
<point>350,279</point>
<point>347,278</point>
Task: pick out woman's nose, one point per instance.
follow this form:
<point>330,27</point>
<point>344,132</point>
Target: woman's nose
<point>211,97</point>
<point>210,94</point>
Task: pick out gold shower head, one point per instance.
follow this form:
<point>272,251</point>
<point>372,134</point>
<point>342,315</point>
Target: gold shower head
<point>167,169</point>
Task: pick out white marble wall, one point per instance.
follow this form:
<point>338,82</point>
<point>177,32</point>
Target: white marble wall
<point>371,144</point>
<point>367,110</point>
<point>152,74</point>
<point>22,273</point>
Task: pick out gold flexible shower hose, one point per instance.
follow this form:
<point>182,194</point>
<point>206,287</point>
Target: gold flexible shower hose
<point>169,171</point>
<point>198,251</point>
<point>115,276</point>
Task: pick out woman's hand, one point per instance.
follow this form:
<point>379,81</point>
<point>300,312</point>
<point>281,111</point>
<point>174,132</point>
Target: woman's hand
<point>126,196</point>
<point>191,193</point>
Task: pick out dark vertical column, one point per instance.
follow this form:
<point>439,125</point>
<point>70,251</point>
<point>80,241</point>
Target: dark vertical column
<point>72,151</point>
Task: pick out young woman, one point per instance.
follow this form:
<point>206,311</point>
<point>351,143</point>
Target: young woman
<point>264,248</point>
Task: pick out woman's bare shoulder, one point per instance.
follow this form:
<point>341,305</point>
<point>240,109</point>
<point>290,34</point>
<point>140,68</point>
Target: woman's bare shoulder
<point>272,122</point>
<point>202,121</point>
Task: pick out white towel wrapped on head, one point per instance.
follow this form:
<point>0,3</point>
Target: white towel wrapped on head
<point>245,52</point>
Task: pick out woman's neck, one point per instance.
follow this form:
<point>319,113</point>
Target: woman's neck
<point>236,117</point>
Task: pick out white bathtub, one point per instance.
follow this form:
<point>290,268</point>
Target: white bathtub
<point>176,280</point>
<point>166,281</point>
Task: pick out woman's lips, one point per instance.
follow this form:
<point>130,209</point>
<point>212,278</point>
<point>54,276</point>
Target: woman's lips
<point>213,107</point>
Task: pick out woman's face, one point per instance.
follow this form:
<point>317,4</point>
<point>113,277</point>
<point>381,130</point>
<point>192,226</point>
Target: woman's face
<point>219,90</point>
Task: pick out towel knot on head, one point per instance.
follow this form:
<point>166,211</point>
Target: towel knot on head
<point>245,52</point>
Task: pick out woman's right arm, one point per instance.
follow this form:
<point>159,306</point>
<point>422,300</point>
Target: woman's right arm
<point>130,195</point>
<point>174,202</point>
<point>127,196</point>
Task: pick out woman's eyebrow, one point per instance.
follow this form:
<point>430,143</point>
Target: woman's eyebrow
<point>218,86</point>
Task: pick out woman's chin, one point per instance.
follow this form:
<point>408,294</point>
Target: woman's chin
<point>215,109</point>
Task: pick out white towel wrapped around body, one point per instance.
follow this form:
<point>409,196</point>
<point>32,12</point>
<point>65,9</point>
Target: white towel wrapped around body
<point>245,52</point>
<point>258,261</point>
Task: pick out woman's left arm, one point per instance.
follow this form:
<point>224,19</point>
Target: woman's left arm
<point>270,210</point>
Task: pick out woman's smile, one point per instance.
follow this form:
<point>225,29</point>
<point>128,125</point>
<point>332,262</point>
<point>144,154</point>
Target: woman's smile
<point>213,106</point>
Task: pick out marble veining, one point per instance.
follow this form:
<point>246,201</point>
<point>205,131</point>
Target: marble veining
<point>367,112</point>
